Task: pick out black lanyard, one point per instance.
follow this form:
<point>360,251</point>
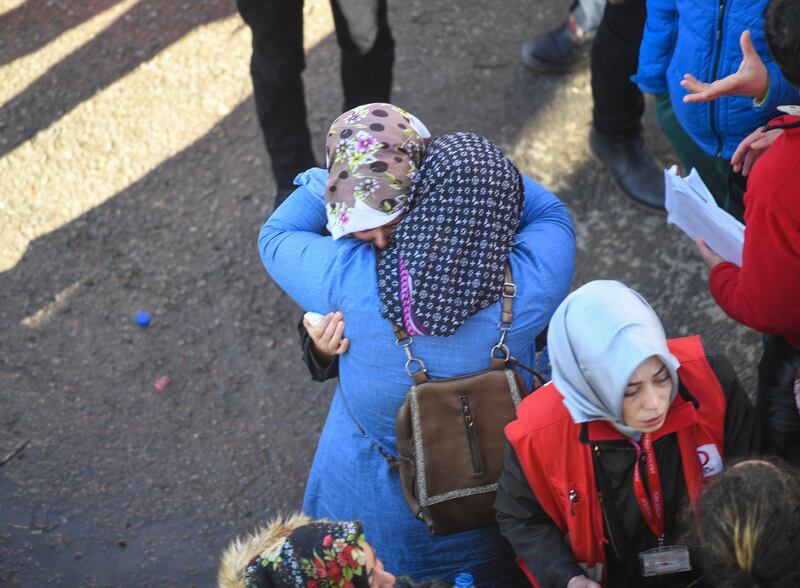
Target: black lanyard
<point>791,125</point>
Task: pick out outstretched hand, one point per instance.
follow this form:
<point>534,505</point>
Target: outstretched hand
<point>751,148</point>
<point>751,79</point>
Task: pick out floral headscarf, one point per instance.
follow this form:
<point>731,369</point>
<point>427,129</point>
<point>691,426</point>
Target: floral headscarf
<point>316,555</point>
<point>373,156</point>
<point>446,258</point>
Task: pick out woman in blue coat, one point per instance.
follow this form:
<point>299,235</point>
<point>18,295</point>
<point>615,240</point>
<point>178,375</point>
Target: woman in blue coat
<point>467,212</point>
<point>690,42</point>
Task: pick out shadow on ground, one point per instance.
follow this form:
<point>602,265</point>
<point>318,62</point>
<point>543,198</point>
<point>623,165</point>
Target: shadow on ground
<point>25,31</point>
<point>123,485</point>
<point>137,36</point>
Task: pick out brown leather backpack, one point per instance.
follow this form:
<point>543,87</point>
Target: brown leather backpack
<point>450,436</point>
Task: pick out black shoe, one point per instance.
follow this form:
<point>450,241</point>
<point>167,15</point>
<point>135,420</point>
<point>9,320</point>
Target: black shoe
<point>633,169</point>
<point>558,51</point>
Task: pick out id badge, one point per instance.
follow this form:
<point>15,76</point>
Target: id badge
<point>665,560</point>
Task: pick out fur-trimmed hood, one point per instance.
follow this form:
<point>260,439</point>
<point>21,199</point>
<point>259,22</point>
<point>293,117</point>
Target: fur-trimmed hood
<point>243,550</point>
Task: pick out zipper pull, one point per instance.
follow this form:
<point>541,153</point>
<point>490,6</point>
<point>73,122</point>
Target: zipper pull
<point>573,496</point>
<point>465,409</point>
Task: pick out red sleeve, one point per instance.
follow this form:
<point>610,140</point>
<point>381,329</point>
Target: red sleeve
<point>728,284</point>
<point>763,293</point>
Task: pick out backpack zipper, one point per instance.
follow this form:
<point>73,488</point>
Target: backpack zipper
<point>472,438</point>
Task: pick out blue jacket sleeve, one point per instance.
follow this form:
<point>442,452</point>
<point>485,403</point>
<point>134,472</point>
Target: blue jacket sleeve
<point>781,92</point>
<point>294,252</point>
<point>545,248</point>
<point>658,42</point>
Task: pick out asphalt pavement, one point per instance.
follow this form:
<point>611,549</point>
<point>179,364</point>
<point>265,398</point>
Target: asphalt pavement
<point>133,178</point>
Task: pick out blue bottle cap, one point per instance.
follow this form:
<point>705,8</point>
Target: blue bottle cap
<point>143,319</point>
<point>464,580</point>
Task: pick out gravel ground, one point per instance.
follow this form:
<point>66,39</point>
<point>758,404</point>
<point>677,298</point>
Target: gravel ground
<point>133,178</point>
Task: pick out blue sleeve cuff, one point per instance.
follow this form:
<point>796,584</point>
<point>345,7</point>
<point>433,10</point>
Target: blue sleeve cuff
<point>780,91</point>
<point>650,85</point>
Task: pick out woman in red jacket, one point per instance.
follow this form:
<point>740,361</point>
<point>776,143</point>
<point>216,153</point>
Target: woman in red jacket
<point>600,460</point>
<point>764,294</point>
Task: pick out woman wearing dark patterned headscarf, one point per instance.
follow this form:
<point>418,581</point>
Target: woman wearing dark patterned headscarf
<point>447,256</point>
<point>439,272</point>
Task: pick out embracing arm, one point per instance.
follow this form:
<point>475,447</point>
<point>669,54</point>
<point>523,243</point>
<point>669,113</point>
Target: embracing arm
<point>545,250</point>
<point>535,538</point>
<point>295,253</point>
<point>298,257</point>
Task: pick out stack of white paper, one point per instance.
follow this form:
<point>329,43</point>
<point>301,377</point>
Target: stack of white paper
<point>692,208</point>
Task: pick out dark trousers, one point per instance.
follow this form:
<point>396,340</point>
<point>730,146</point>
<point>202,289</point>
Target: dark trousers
<point>618,103</point>
<point>276,67</point>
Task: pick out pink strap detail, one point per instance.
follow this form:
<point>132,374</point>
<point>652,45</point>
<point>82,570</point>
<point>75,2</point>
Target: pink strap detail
<point>411,326</point>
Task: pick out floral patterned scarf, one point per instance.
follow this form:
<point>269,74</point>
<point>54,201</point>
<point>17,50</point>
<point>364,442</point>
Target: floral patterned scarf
<point>373,157</point>
<point>315,555</point>
<point>446,258</point>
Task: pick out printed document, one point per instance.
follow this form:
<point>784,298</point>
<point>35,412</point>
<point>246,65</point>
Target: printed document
<point>692,208</point>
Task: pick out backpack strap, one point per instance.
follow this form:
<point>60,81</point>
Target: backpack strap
<point>506,315</point>
<point>403,340</point>
<point>500,353</point>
